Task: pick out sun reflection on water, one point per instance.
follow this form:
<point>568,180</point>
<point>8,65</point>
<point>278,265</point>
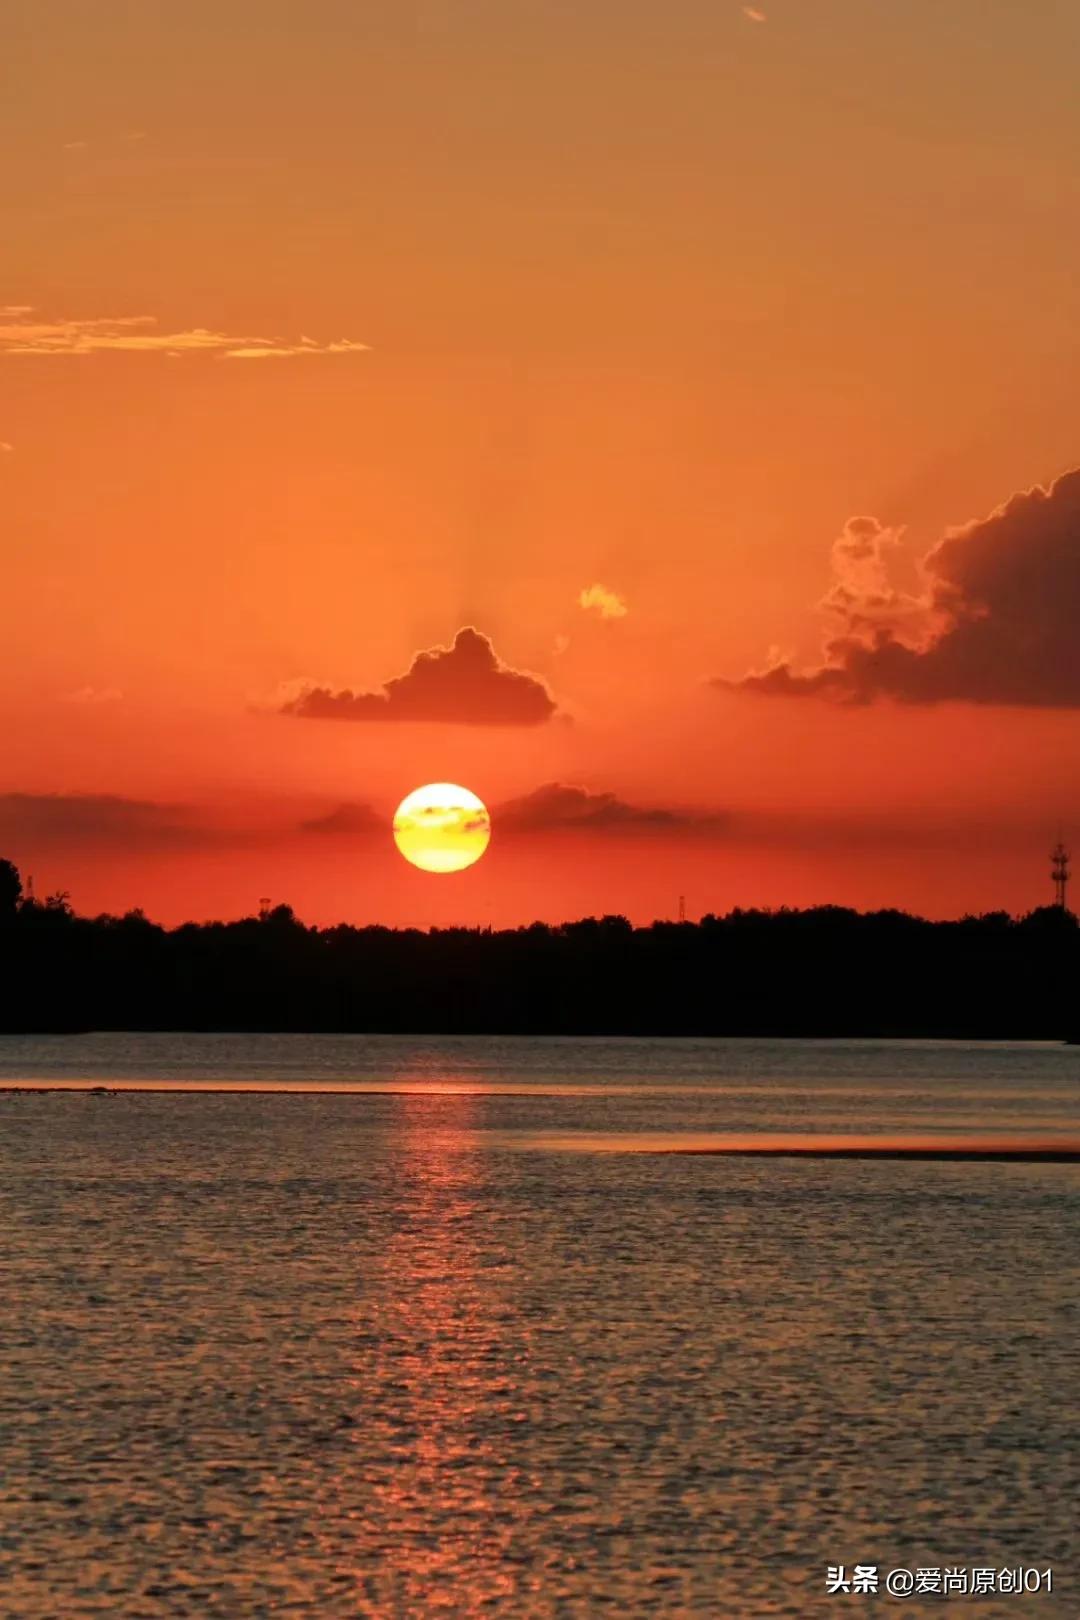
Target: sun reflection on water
<point>445,1490</point>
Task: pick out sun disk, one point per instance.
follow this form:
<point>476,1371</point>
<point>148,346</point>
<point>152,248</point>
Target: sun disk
<point>442,827</point>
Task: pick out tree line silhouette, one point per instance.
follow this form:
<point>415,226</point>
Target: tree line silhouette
<point>825,971</point>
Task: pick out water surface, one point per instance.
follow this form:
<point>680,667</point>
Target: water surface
<point>283,1349</point>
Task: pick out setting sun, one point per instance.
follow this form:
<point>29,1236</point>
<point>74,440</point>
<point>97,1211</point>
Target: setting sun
<point>442,827</point>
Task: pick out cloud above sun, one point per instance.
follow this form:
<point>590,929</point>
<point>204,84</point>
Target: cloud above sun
<point>24,332</point>
<point>464,684</point>
<point>607,604</point>
<point>995,621</point>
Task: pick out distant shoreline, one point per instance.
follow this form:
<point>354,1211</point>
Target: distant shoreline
<point>549,1033</point>
<point>824,973</point>
<point>972,1150</point>
<point>929,1154</point>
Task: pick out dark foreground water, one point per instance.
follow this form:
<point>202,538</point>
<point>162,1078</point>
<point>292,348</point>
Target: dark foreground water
<point>449,1347</point>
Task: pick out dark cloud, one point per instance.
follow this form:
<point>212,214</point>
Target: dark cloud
<point>996,622</point>
<point>558,807</point>
<point>346,820</point>
<point>461,685</point>
<point>100,819</point>
<point>31,822</point>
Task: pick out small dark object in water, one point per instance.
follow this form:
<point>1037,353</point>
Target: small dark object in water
<point>100,1091</point>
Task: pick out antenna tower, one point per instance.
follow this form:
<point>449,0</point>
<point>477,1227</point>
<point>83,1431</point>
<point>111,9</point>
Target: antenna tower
<point>1059,871</point>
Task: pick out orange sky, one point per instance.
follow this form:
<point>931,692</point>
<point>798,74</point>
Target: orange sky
<point>332,329</point>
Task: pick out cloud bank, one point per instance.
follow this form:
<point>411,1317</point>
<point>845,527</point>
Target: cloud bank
<point>464,684</point>
<point>995,623</point>
<point>561,807</point>
<point>23,331</point>
<point>100,820</point>
<point>346,821</point>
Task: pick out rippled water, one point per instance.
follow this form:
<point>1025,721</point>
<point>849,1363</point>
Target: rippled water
<point>397,1354</point>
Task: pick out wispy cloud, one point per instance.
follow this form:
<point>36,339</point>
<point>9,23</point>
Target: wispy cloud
<point>93,694</point>
<point>5,448</point>
<point>754,14</point>
<point>105,142</point>
<point>598,599</point>
<point>24,331</point>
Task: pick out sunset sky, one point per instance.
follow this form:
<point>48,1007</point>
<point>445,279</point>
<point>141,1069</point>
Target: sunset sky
<point>657,375</point>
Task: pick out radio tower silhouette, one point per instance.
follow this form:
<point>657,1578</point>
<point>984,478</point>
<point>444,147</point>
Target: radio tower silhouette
<point>1059,871</point>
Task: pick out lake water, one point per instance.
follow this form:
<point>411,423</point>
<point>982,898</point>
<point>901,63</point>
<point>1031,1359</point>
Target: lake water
<point>468,1342</point>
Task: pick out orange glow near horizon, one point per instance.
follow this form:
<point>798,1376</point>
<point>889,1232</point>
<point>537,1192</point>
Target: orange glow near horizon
<point>298,384</point>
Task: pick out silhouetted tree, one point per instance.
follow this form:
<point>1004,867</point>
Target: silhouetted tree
<point>824,971</point>
<point>1051,920</point>
<point>282,916</point>
<point>10,889</point>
